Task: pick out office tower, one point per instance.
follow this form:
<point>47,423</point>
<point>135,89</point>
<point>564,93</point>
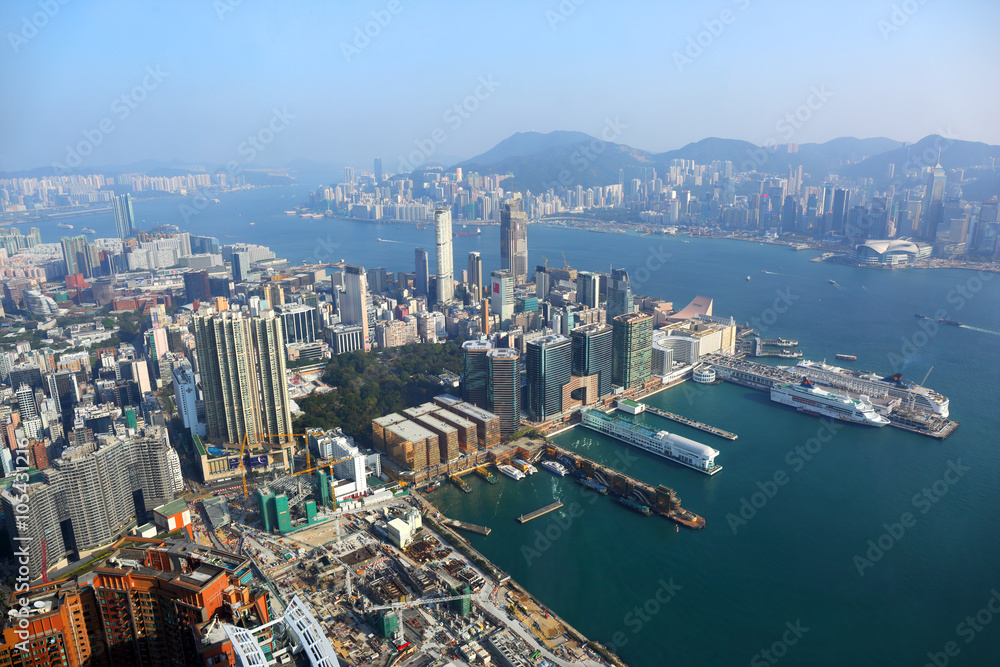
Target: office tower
<point>619,294</point>
<point>632,349</point>
<point>938,181</point>
<point>421,274</point>
<point>543,282</point>
<point>445,269</point>
<point>26,402</point>
<point>241,266</point>
<point>593,354</point>
<point>502,297</point>
<point>475,284</point>
<point>841,204</point>
<point>242,363</point>
<point>475,372</point>
<point>588,286</point>
<point>196,286</point>
<point>75,254</point>
<point>349,178</point>
<point>550,367</point>
<point>31,516</point>
<point>298,323</point>
<point>354,301</point>
<point>826,205</point>
<point>504,389</point>
<point>378,171</point>
<point>514,240</point>
<point>789,214</point>
<point>124,218</point>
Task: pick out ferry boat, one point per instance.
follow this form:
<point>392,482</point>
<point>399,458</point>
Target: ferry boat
<point>811,400</point>
<point>434,487</point>
<point>634,506</point>
<point>873,384</point>
<point>525,467</point>
<point>63,225</point>
<point>594,486</point>
<point>555,468</point>
<point>87,230</point>
<point>511,471</point>
<point>676,448</point>
<point>847,357</point>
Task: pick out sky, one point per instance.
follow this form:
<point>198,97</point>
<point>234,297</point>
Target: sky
<point>206,82</point>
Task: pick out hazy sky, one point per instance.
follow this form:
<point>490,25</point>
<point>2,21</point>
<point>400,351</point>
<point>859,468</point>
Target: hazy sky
<point>191,80</point>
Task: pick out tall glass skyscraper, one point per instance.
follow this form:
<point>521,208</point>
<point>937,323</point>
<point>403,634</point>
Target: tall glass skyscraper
<point>514,240</point>
<point>504,389</point>
<point>475,285</point>
<point>632,361</point>
<point>502,297</point>
<point>619,294</point>
<point>445,261</point>
<point>421,270</point>
<point>124,218</point>
<point>592,354</point>
<point>550,368</point>
<point>475,372</point>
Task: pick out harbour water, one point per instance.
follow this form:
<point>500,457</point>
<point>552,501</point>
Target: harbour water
<point>828,530</point>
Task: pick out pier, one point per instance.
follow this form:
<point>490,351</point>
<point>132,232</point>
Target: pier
<point>469,527</point>
<point>692,423</point>
<point>525,518</point>
<point>660,499</point>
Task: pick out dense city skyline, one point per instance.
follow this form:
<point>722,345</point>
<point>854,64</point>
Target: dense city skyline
<point>306,74</point>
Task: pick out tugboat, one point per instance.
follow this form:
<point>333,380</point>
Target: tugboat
<point>847,357</point>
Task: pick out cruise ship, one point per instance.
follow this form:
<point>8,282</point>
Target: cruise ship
<point>555,468</point>
<point>872,384</point>
<point>525,467</point>
<point>810,399</point>
<point>511,471</point>
<point>662,443</point>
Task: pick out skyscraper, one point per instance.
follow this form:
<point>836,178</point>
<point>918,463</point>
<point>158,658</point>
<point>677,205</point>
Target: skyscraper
<point>445,268</point>
<point>242,362</point>
<point>475,285</point>
<point>502,297</point>
<point>241,266</point>
<point>588,286</point>
<point>354,304</point>
<point>935,202</point>
<point>124,218</point>
<point>841,204</point>
<point>196,286</point>
<point>632,357</point>
<point>475,372</point>
<point>421,274</point>
<point>550,367</point>
<point>378,170</point>
<point>504,389</point>
<point>75,254</point>
<point>514,240</point>
<point>619,293</point>
<point>592,354</point>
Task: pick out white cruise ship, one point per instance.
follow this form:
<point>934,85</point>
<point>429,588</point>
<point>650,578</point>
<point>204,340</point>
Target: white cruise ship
<point>677,448</point>
<point>555,468</point>
<point>511,471</point>
<point>810,399</point>
<point>872,384</point>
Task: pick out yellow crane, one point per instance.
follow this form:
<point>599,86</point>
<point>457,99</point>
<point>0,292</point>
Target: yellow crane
<point>243,447</point>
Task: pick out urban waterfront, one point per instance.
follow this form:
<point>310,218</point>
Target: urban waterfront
<point>794,561</point>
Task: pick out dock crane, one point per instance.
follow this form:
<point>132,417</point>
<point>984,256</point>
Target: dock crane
<point>414,603</point>
<point>565,261</point>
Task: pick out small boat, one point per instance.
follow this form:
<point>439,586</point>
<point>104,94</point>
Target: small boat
<point>511,471</point>
<point>833,282</point>
<point>88,230</point>
<point>435,486</point>
<point>252,224</point>
<point>289,212</point>
<point>555,468</point>
<point>748,278</point>
<point>847,357</point>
